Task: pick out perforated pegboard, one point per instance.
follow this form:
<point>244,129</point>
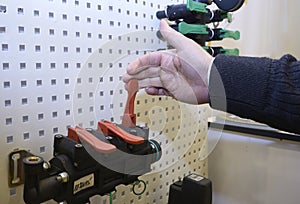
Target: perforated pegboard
<point>61,65</point>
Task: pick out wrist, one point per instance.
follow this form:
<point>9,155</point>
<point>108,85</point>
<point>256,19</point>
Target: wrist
<point>209,70</point>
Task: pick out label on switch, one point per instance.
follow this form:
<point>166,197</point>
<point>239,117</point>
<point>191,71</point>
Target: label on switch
<point>83,183</point>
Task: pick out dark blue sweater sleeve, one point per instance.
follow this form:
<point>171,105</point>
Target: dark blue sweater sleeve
<point>262,89</point>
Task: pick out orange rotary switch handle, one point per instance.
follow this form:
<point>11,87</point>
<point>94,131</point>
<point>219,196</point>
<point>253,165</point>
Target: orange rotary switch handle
<point>97,144</point>
<point>109,128</point>
<point>129,117</point>
<point>72,134</point>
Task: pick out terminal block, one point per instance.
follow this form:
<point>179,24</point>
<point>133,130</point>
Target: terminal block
<point>202,33</point>
<point>192,19</point>
<point>193,12</point>
<point>214,51</point>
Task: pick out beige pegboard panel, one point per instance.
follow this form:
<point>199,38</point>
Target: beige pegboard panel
<point>61,65</point>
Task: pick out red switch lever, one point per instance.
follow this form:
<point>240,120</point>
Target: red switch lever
<point>109,128</point>
<point>129,117</point>
<point>97,144</point>
<point>72,134</point>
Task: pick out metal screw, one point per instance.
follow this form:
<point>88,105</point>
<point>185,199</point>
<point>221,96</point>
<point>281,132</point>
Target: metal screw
<point>179,178</point>
<point>46,165</point>
<point>63,177</point>
<point>108,137</point>
<point>58,136</point>
<point>152,146</point>
<point>78,145</point>
<point>133,131</point>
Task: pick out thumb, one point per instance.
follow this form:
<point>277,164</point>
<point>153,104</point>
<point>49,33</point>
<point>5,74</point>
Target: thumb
<point>174,38</point>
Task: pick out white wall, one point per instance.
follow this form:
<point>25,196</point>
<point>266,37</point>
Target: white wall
<point>268,28</point>
<point>253,170</point>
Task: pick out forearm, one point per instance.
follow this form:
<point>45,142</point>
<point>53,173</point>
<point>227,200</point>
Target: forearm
<point>262,89</point>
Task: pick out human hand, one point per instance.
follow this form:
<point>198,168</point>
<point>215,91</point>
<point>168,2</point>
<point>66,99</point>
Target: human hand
<point>181,73</point>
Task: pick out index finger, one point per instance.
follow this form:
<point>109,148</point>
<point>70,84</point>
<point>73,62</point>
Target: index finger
<point>152,59</point>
